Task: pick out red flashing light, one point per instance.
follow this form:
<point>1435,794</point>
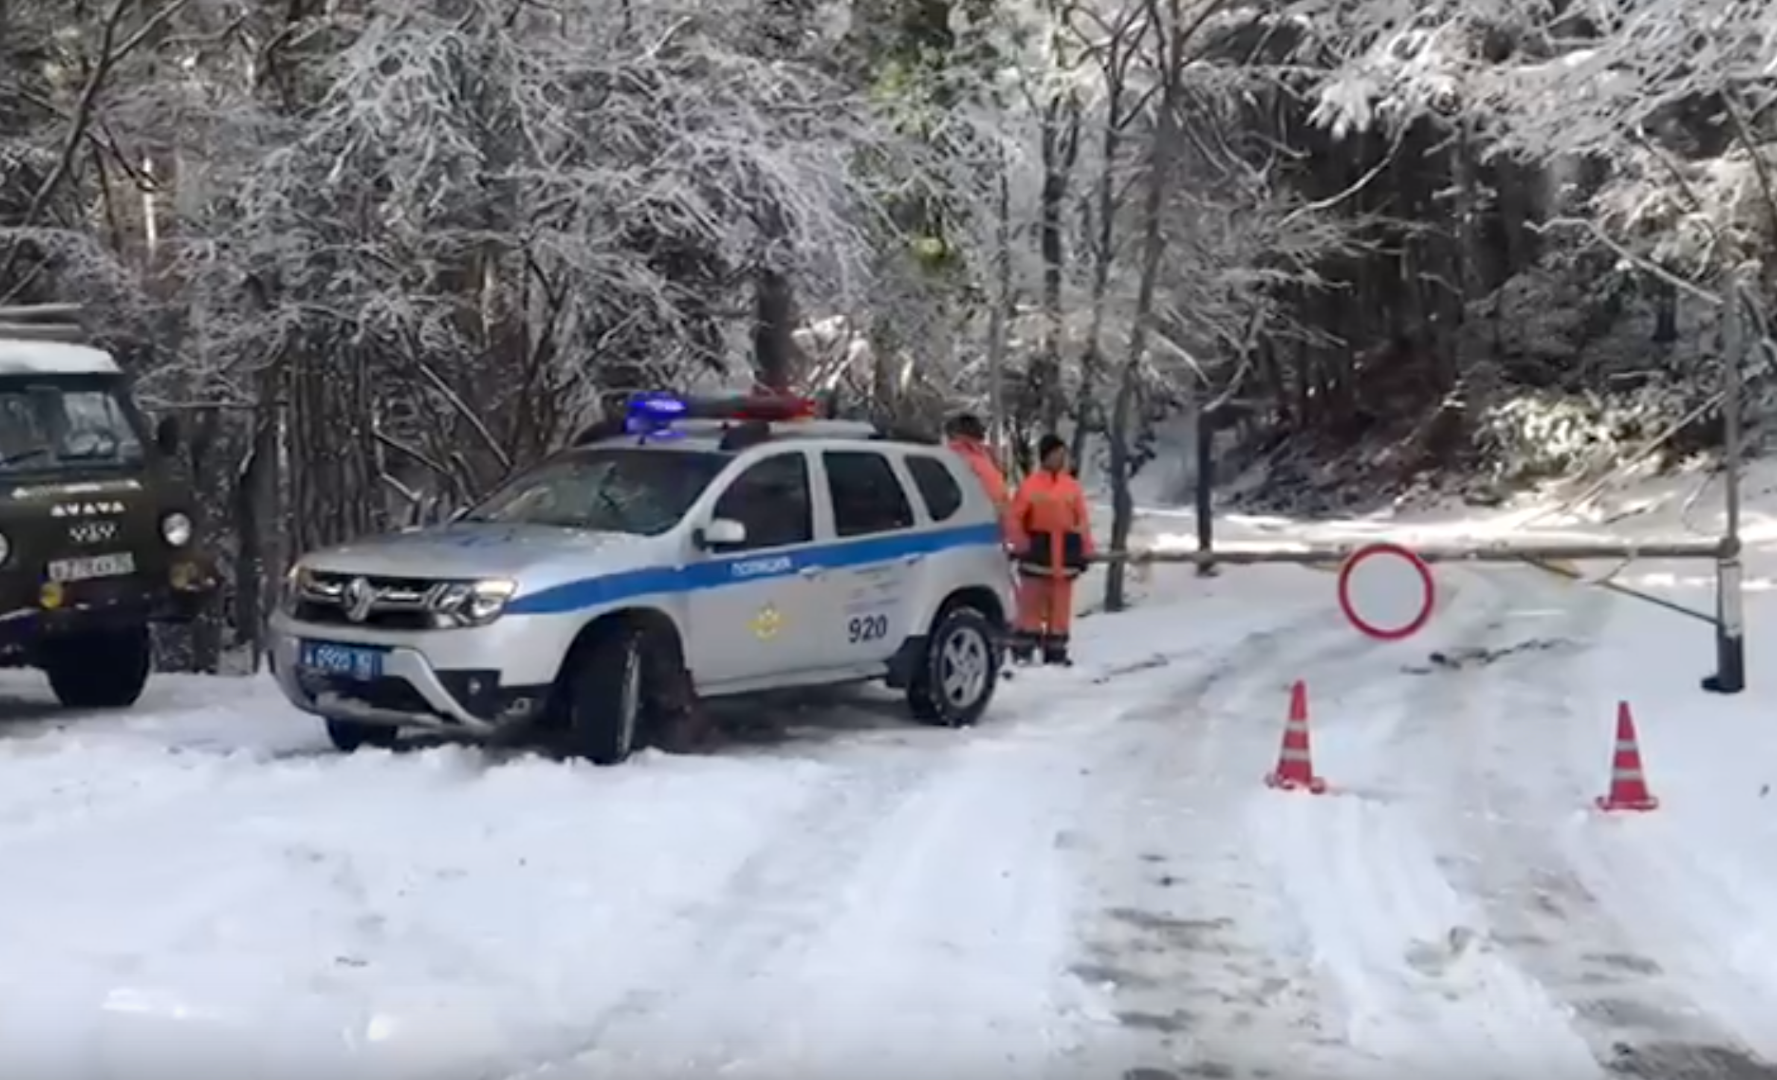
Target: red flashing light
<point>778,407</point>
<point>766,407</point>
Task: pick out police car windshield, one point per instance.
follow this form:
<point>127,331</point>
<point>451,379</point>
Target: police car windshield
<point>615,489</point>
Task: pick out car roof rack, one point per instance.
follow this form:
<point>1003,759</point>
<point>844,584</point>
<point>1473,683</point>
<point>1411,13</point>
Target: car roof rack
<point>907,434</point>
<point>745,434</point>
<point>42,322</point>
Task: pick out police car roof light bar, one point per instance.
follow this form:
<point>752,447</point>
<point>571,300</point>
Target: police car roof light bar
<point>765,408</point>
<point>658,410</point>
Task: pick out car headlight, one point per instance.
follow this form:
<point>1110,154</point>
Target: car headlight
<point>291,595</point>
<point>175,529</point>
<point>473,603</point>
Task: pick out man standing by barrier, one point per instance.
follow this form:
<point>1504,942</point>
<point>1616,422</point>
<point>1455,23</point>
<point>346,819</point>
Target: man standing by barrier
<point>1051,538</point>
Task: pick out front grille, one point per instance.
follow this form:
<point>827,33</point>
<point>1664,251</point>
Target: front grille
<point>388,603</point>
<point>94,531</point>
<point>333,615</point>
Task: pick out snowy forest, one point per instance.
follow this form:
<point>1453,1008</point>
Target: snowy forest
<point>376,255</point>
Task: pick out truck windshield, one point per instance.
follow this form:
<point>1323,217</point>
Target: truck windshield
<point>645,492</point>
<point>45,426</point>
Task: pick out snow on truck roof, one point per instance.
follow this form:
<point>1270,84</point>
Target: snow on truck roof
<point>20,356</point>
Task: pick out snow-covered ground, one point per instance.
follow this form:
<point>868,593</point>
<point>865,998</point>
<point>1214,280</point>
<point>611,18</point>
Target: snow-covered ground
<point>1094,882</point>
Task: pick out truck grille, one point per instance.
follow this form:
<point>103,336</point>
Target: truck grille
<point>385,603</point>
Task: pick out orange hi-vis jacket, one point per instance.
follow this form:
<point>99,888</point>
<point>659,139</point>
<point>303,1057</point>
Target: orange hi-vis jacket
<point>1051,529</point>
<point>980,459</point>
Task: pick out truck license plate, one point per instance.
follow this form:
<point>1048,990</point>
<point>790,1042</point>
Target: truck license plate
<point>92,566</point>
<point>351,661</point>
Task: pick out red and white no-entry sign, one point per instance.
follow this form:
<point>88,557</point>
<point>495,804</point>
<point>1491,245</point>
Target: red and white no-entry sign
<point>1393,596</point>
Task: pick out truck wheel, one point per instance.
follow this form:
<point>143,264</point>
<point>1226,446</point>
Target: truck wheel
<point>954,680</point>
<point>607,694</point>
<point>349,735</point>
<point>101,669</point>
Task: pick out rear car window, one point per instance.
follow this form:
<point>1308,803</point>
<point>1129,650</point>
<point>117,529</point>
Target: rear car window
<point>937,486</point>
<point>867,495</point>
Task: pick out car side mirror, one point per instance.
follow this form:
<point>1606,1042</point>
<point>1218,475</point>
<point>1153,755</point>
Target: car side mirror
<point>166,435</point>
<point>720,533</point>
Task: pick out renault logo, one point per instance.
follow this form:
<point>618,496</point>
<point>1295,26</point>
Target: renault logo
<point>359,596</point>
<point>92,532</point>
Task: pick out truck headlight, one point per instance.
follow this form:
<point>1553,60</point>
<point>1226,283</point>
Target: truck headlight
<point>175,529</point>
<point>5,548</point>
<point>473,603</point>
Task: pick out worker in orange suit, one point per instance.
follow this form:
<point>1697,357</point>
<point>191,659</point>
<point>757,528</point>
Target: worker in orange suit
<point>967,436</point>
<point>1051,539</point>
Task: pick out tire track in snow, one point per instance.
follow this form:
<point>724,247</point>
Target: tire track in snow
<point>781,891</point>
<point>822,890</point>
<point>1708,940</point>
<point>889,860</point>
<point>1386,927</point>
<point>99,787</point>
<point>1516,767</point>
<point>334,875</point>
<point>1182,938</point>
<point>947,945</point>
<point>785,895</point>
<point>1712,1018</point>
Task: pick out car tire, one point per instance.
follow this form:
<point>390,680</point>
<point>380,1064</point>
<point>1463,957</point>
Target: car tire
<point>607,695</point>
<point>103,669</point>
<point>954,679</point>
<point>349,735</point>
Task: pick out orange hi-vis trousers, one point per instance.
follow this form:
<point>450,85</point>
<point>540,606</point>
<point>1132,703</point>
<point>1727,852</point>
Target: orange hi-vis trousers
<point>1045,606</point>
<point>1045,614</point>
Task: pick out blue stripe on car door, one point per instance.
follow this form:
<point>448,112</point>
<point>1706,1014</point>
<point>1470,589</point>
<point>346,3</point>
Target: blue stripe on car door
<point>609,589</point>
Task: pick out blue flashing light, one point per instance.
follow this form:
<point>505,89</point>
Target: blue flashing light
<point>652,414</point>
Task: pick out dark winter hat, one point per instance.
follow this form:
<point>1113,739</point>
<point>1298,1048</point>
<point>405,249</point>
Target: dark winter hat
<point>1048,444</point>
<point>966,426</point>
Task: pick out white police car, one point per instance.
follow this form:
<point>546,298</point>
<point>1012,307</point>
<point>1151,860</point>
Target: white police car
<point>695,548</point>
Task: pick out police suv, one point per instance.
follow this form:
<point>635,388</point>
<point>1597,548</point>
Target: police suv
<point>690,548</point>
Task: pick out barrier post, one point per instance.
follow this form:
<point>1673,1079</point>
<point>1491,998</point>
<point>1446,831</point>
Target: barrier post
<point>1206,480</point>
<point>1730,620</point>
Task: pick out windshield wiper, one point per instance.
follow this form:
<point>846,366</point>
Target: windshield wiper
<point>90,455</point>
<point>29,455</point>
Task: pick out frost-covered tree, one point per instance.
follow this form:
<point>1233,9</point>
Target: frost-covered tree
<point>1607,164</point>
<point>404,247</point>
<point>379,254</point>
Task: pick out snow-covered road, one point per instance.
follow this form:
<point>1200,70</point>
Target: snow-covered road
<point>1095,882</point>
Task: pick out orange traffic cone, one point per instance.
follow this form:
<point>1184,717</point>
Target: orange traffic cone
<point>1295,762</point>
<point>1628,786</point>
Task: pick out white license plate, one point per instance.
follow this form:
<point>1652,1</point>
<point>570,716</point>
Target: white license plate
<point>93,566</point>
